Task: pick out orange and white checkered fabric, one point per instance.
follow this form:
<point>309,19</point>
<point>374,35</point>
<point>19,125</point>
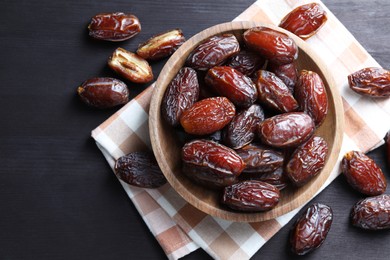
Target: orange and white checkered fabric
<point>181,228</point>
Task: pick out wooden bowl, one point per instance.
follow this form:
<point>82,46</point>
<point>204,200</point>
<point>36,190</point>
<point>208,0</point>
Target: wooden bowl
<point>168,150</point>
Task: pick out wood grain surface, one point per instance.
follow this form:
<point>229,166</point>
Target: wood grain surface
<point>58,197</point>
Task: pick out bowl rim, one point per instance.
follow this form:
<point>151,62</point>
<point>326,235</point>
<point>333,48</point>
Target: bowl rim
<point>154,116</point>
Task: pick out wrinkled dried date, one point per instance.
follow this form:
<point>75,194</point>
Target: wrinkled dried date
<point>207,116</point>
<point>213,52</point>
<point>311,228</point>
<point>276,46</point>
<point>251,196</point>
<point>363,174</point>
<point>260,159</point>
<point>232,84</point>
<point>181,93</point>
<point>307,160</point>
<point>246,62</point>
<point>373,82</point>
<point>276,178</point>
<point>211,164</point>
<point>103,92</point>
<point>305,20</point>
<point>130,66</point>
<point>273,93</point>
<point>288,73</point>
<point>372,213</point>
<point>311,95</point>
<point>242,129</point>
<point>114,26</point>
<point>161,45</point>
<point>286,130</point>
<point>139,169</point>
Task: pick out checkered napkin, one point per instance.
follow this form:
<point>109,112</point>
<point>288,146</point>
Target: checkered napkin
<point>181,228</point>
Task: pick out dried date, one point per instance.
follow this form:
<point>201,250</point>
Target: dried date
<point>161,45</point>
<point>275,46</point>
<point>181,93</point>
<point>213,52</point>
<point>288,73</point>
<point>103,92</point>
<point>311,95</point>
<point>246,62</point>
<point>276,178</point>
<point>305,20</point>
<point>211,164</point>
<point>307,160</point>
<point>363,174</point>
<point>251,196</point>
<point>311,228</point>
<point>242,129</point>
<point>286,130</point>
<point>207,116</point>
<point>114,26</point>
<point>232,84</point>
<point>273,93</point>
<point>139,169</point>
<point>373,82</point>
<point>372,213</point>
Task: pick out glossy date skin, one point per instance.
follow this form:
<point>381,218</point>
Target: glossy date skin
<point>139,169</point>
<point>161,45</point>
<point>373,82</point>
<point>286,130</point>
<point>213,52</point>
<point>211,164</point>
<point>242,129</point>
<point>305,20</point>
<point>307,161</point>
<point>181,93</point>
<point>276,178</point>
<point>311,229</point>
<point>260,159</point>
<point>288,73</point>
<point>311,95</point>
<point>207,116</point>
<point>275,46</point>
<point>273,93</point>
<point>251,196</point>
<point>246,62</point>
<point>363,174</point>
<point>114,26</point>
<point>234,85</point>
<point>372,213</point>
<point>103,92</point>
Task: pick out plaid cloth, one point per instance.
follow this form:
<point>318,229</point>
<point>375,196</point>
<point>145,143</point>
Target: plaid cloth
<point>179,227</point>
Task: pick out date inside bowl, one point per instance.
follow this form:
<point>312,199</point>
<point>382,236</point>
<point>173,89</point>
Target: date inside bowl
<point>168,137</point>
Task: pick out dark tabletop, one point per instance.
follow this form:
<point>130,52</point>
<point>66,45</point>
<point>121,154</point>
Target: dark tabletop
<point>58,196</point>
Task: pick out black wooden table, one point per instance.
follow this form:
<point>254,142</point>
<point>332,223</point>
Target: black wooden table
<point>58,197</point>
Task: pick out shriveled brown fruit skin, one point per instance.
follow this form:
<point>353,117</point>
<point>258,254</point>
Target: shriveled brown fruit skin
<point>234,85</point>
<point>251,196</point>
<point>246,62</point>
<point>276,178</point>
<point>307,160</point>
<point>373,82</point>
<point>211,164</point>
<point>213,52</point>
<point>288,73</point>
<point>286,130</point>
<point>275,46</point>
<point>114,26</point>
<point>273,93</point>
<point>242,129</point>
<point>372,213</point>
<point>139,169</point>
<point>161,45</point>
<point>260,159</point>
<point>311,95</point>
<point>181,93</point>
<point>103,92</point>
<point>207,116</point>
<point>305,20</point>
<point>363,174</point>
<point>311,228</point>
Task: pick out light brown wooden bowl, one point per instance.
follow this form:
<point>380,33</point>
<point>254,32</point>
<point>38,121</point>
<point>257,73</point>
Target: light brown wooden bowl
<point>168,150</point>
